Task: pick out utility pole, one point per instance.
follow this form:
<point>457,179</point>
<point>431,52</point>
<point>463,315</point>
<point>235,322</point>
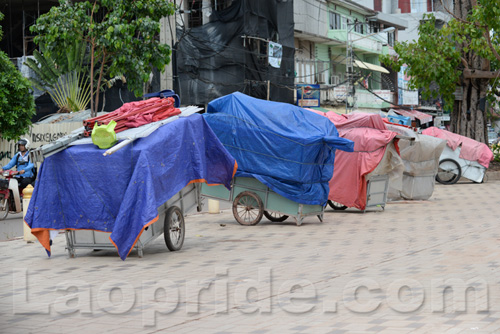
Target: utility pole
<point>350,100</point>
<point>349,72</point>
<point>167,36</point>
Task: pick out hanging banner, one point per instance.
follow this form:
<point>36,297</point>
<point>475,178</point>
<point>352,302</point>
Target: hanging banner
<point>308,95</point>
<point>406,97</point>
<point>275,53</point>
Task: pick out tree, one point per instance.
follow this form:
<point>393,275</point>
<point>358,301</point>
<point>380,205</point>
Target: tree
<point>122,37</point>
<point>463,54</point>
<point>17,105</point>
<point>68,85</point>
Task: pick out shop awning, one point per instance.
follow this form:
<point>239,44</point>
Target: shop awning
<point>368,66</point>
<point>422,117</point>
<point>364,65</point>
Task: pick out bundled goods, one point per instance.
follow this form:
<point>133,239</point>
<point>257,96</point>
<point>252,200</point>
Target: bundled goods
<point>135,114</point>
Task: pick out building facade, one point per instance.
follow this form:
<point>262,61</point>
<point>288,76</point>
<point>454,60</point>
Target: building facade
<point>225,46</point>
<point>263,48</point>
<point>338,44</point>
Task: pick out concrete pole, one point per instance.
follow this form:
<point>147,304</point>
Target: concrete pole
<point>213,206</point>
<point>27,192</point>
<point>167,36</point>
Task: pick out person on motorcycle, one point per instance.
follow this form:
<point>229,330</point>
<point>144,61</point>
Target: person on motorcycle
<point>24,167</point>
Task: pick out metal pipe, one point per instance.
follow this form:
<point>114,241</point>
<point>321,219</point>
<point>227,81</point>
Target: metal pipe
<point>118,146</point>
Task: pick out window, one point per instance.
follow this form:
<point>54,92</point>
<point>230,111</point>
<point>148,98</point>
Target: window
<point>335,21</point>
<point>418,6</point>
<point>344,22</point>
<point>390,38</point>
<point>195,17</point>
<point>221,4</point>
<point>359,27</point>
<point>374,27</point>
<point>320,72</point>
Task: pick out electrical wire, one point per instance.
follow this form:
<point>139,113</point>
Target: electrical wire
<point>385,100</point>
<point>380,82</point>
<point>263,72</point>
<point>209,44</point>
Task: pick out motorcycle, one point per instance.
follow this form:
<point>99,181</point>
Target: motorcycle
<point>10,196</point>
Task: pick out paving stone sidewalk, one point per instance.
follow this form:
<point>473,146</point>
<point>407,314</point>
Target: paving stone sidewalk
<point>417,267</point>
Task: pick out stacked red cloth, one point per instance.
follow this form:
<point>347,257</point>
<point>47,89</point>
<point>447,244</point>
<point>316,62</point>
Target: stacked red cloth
<point>135,114</point>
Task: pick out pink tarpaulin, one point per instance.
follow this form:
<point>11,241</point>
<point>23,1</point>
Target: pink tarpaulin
<point>356,120</point>
<point>348,185</point>
<point>414,114</point>
<point>471,149</point>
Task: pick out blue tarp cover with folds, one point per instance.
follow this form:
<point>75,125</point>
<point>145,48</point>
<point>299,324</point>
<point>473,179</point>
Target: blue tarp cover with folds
<point>79,188</point>
<point>288,148</point>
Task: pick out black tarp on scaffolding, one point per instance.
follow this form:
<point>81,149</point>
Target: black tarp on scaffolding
<point>230,53</point>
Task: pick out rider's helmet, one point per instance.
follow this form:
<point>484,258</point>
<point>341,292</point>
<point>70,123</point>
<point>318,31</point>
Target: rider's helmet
<point>25,142</point>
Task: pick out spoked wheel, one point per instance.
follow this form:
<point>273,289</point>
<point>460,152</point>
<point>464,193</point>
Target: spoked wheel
<point>174,228</point>
<point>449,172</point>
<point>4,208</point>
<point>275,217</point>
<point>248,208</point>
<point>336,205</point>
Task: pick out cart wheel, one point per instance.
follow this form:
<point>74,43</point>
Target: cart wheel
<point>248,208</point>
<point>449,172</point>
<point>4,208</point>
<point>275,217</point>
<point>336,205</point>
<point>174,228</point>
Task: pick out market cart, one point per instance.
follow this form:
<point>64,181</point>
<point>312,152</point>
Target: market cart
<point>252,200</point>
<point>462,157</point>
<point>125,198</point>
<point>421,157</point>
<point>170,223</point>
<point>452,167</point>
<point>361,178</point>
<point>285,158</point>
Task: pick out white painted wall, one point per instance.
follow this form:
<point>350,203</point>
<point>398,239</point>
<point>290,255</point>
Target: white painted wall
<point>39,135</point>
<point>310,16</point>
<point>365,3</point>
<point>413,19</point>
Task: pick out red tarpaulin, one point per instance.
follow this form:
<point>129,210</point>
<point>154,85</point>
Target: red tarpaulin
<point>348,185</point>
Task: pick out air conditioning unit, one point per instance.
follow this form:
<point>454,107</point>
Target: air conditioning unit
<point>321,78</point>
<point>334,80</point>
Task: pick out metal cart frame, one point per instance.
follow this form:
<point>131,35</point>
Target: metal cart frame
<point>377,187</point>
<point>271,202</point>
<point>376,191</point>
<point>186,200</point>
<point>468,169</point>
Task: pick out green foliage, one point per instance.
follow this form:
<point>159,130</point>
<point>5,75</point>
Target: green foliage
<point>437,55</point>
<point>495,148</point>
<point>1,32</point>
<point>17,105</point>
<point>122,36</point>
<point>67,85</point>
<point>433,58</point>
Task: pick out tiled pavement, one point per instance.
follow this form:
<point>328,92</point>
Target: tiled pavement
<point>374,272</point>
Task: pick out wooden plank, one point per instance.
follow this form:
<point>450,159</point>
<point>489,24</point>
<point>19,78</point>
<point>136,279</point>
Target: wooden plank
<point>478,74</point>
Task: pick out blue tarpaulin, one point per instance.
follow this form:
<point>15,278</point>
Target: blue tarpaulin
<point>79,188</point>
<point>288,148</point>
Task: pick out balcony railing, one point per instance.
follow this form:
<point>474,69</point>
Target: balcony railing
<point>372,44</point>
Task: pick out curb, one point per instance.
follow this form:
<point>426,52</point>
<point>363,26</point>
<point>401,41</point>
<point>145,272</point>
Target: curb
<point>492,175</point>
